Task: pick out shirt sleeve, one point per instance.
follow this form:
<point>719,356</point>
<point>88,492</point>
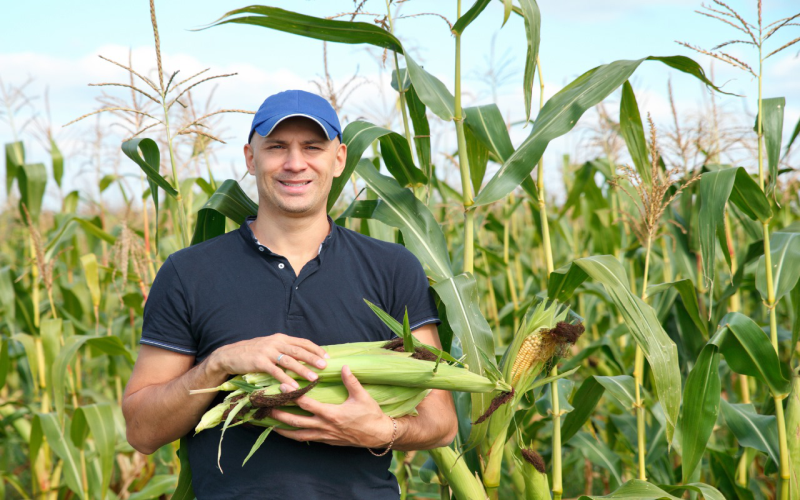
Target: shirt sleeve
<point>167,321</point>
<point>411,290</point>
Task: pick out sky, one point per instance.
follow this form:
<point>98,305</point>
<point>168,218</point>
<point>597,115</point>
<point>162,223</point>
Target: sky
<point>55,46</point>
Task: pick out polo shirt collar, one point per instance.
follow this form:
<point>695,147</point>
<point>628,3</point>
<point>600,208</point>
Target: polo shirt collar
<point>250,237</point>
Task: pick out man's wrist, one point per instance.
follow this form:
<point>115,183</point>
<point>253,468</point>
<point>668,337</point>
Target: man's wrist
<point>393,429</point>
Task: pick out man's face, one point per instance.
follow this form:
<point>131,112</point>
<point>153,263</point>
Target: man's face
<point>294,166</point>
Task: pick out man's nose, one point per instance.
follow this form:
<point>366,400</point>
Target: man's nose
<point>294,159</point>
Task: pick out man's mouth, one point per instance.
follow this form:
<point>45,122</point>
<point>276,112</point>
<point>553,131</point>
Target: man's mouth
<point>294,183</point>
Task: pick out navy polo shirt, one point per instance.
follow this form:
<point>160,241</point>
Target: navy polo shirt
<point>233,288</point>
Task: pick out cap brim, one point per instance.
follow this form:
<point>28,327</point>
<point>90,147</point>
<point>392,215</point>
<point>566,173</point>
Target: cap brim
<point>266,127</point>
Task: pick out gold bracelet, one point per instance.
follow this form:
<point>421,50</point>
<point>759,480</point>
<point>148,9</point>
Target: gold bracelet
<point>394,435</point>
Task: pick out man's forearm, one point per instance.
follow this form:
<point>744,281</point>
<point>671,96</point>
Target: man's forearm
<point>161,413</point>
<point>435,426</point>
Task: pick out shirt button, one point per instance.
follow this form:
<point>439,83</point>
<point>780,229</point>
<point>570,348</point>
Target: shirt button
<point>281,266</point>
<point>261,249</point>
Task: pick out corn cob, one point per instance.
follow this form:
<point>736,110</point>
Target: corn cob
<point>397,369</point>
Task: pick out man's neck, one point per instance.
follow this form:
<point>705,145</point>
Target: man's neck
<point>292,237</point>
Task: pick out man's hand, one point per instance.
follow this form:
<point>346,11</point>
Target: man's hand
<point>271,354</point>
<point>358,421</point>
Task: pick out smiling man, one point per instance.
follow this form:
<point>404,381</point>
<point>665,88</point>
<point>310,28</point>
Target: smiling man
<point>263,299</point>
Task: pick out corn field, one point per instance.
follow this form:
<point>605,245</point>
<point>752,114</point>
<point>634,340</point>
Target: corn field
<point>682,267</point>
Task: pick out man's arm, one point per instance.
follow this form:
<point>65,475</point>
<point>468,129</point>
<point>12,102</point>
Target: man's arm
<point>359,421</point>
<point>157,406</point>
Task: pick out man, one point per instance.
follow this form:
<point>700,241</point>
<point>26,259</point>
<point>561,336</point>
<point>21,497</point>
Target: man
<point>263,299</point>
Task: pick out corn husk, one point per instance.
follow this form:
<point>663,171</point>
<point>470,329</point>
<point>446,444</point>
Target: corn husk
<point>398,369</point>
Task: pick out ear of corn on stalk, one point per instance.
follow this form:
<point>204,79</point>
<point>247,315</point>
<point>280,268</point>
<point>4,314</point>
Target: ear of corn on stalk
<point>534,471</point>
<point>543,336</point>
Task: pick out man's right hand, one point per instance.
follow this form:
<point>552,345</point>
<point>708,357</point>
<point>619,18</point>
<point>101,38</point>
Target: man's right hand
<point>271,354</point>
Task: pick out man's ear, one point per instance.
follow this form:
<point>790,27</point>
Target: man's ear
<point>249,160</point>
<point>341,159</point>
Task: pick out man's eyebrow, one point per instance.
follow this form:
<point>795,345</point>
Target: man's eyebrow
<point>306,142</point>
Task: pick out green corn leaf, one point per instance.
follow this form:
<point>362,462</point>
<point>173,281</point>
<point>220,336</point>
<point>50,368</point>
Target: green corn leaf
<point>110,345</point>
<point>469,16</point>
<point>584,187</point>
<point>357,135</point>
<point>50,332</point>
<point>257,444</point>
<point>660,351</point>
<point>688,294</point>
<point>785,256</point>
<point>99,420</point>
<point>708,492</point>
<point>397,329</point>
<point>716,189</point>
<point>599,454</point>
<point>422,129</point>
<point>748,351</point>
<point>4,362</point>
<point>700,408</point>
<point>228,201</point>
<point>184,491</point>
<point>311,27</point>
<point>584,402</point>
<point>92,275</point>
<point>560,114</point>
<point>399,208</point>
<point>478,157</point>
<point>58,162</point>
<point>772,128</point>
<point>7,297</point>
<point>533,27</point>
<point>636,489</point>
<point>396,155</point>
<point>632,130</point>
<point>507,4</point>
<point>563,282</point>
<point>46,425</point>
<point>87,225</point>
<point>15,158</point>
<point>487,124</point>
<point>30,353</point>
<point>431,91</point>
<point>408,339</point>
<point>751,429</point>
<point>620,387</point>
<point>792,431</point>
<point>31,181</point>
<point>544,405</point>
<point>149,161</point>
<point>157,486</point>
<point>642,490</point>
<point>794,135</point>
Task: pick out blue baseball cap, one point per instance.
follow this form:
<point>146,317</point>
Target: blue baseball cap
<point>289,103</point>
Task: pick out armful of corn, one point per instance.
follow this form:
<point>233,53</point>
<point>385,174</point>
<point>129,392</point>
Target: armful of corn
<point>398,381</point>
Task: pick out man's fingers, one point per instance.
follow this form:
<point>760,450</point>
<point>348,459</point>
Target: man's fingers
<point>307,351</point>
<point>313,406</point>
<point>281,376</point>
<point>299,421</point>
<point>300,435</point>
<point>290,363</point>
<point>354,387</point>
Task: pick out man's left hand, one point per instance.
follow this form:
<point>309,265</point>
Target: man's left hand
<point>359,421</point>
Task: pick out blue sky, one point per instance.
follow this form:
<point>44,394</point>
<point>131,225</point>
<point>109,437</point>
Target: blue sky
<point>56,44</point>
